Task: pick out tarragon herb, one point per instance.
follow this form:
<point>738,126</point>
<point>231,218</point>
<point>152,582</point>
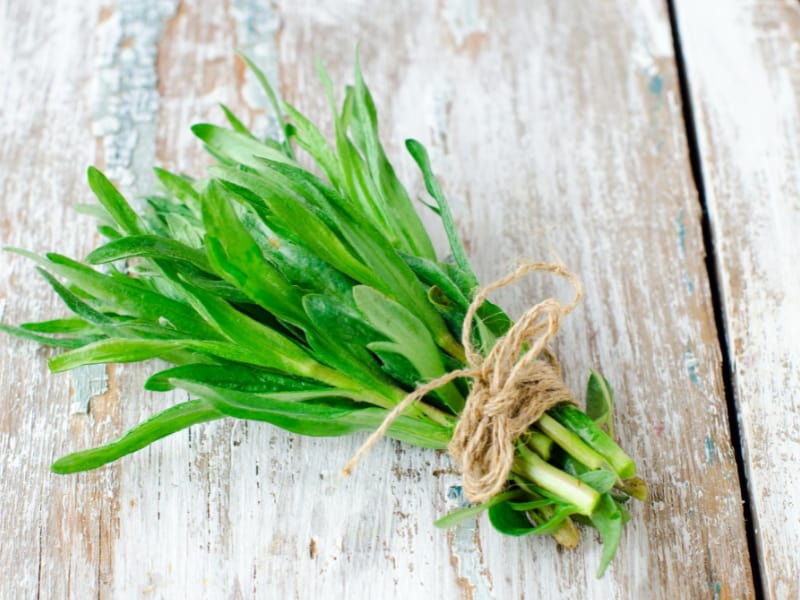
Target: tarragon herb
<point>314,301</point>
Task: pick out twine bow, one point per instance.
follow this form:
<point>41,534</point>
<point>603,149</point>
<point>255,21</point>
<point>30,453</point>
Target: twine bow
<point>512,388</point>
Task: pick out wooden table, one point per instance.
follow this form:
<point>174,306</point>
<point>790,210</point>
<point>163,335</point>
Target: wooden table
<point>654,148</point>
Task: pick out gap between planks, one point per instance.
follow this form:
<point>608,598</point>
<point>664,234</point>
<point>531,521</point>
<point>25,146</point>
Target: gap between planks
<point>716,297</point>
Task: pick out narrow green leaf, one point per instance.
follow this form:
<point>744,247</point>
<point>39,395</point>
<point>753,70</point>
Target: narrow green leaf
<point>69,325</point>
<point>237,125</point>
<point>273,99</point>
<point>112,351</point>
<point>149,246</point>
<point>161,425</point>
<point>63,342</point>
<point>123,295</point>
<point>179,186</point>
<point>236,147</point>
<point>607,519</point>
<point>461,515</point>
<point>114,202</point>
<point>420,155</point>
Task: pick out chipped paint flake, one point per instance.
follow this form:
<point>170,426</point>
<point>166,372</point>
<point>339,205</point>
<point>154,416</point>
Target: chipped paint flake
<point>464,19</point>
<point>257,26</point>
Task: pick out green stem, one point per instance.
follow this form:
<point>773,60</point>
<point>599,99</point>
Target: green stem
<point>539,442</point>
<point>529,465</point>
<point>570,442</point>
<point>583,426</point>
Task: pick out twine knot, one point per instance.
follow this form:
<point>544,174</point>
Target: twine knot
<point>512,387</point>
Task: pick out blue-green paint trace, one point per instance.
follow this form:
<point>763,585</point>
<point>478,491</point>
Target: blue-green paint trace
<point>687,280</point>
<point>711,450</point>
<point>656,85</point>
<point>455,493</point>
<point>681,227</point>
<point>716,587</point>
<point>692,365</point>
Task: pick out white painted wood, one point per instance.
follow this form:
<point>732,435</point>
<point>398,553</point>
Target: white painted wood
<point>743,61</point>
<point>555,130</point>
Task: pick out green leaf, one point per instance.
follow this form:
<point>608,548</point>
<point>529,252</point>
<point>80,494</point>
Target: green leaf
<point>62,342</point>
<point>179,186</point>
<point>607,519</point>
<point>600,401</point>
<point>314,233</point>
<point>149,246</point>
<point>601,480</point>
<point>237,125</point>
<point>505,519</point>
<point>113,351</point>
<point>161,425</point>
<point>76,305</point>
<point>237,258</point>
<point>114,202</point>
<point>232,376</point>
<point>461,515</point>
<point>69,325</point>
<point>409,337</point>
<point>273,98</point>
<point>310,139</point>
<point>397,209</point>
<point>124,295</point>
<point>236,147</point>
<point>340,340</point>
<point>261,344</point>
<point>317,417</point>
<point>420,155</point>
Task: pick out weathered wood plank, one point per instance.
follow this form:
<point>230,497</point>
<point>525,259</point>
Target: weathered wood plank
<point>554,130</point>
<point>743,61</point>
<point>56,532</point>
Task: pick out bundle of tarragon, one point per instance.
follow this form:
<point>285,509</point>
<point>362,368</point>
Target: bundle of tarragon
<point>313,300</point>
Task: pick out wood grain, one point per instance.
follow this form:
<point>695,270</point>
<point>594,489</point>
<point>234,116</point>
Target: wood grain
<point>743,62</point>
<point>554,130</point>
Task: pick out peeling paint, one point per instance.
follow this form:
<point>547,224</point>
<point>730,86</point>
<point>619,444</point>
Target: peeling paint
<point>465,549</point>
<point>257,26</point>
<point>126,94</point>
<point>88,382</point>
<point>464,19</point>
<point>691,363</point>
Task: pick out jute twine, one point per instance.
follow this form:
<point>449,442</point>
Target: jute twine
<point>512,387</point>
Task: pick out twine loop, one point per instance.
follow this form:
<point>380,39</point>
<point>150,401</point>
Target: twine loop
<point>512,387</point>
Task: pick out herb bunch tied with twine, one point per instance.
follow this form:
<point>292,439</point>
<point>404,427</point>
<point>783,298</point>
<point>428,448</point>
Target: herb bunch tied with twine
<point>314,301</point>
